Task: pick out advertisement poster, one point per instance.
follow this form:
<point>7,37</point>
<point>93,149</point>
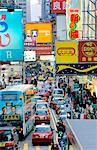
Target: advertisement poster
<point>87,51</point>
<point>11,35</point>
<point>58,6</point>
<point>74,19</point>
<point>73,69</point>
<point>38,33</point>
<point>66,52</point>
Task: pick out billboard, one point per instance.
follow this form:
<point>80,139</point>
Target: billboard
<point>38,33</point>
<point>81,69</point>
<point>66,52</point>
<point>74,19</point>
<point>11,35</point>
<point>87,51</point>
<point>58,6</point>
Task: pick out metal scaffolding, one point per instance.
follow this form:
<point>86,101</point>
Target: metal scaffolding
<point>89,19</point>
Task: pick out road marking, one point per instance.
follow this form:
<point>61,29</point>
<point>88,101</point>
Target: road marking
<point>37,147</point>
<point>49,147</point>
<point>26,146</point>
<point>54,127</point>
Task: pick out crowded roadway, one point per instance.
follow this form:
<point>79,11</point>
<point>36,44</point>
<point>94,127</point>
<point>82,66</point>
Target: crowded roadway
<point>46,107</point>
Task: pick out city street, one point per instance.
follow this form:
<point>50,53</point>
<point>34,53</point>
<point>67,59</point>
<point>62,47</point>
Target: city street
<point>48,74</point>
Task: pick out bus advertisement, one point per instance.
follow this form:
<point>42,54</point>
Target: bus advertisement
<point>16,108</point>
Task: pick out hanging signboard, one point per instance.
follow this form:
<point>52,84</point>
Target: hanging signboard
<point>87,51</point>
<point>66,52</point>
<point>58,6</point>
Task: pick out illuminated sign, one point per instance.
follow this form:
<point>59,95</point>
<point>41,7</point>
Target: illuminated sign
<point>87,51</point>
<point>11,35</point>
<point>38,33</point>
<point>73,19</point>
<point>66,52</point>
<point>58,6</point>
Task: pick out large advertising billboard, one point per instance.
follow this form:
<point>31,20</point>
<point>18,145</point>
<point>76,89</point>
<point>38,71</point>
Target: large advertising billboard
<point>74,19</point>
<point>66,52</point>
<point>38,33</point>
<point>87,51</point>
<point>58,6</point>
<point>11,35</point>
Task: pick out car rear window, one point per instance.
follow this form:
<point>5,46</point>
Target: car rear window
<point>42,129</point>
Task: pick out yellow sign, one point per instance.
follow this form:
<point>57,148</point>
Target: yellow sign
<point>43,34</point>
<point>66,52</point>
<point>11,117</point>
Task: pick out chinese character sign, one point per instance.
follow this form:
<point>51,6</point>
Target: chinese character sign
<point>11,35</point>
<point>73,19</point>
<point>58,6</point>
<point>87,51</point>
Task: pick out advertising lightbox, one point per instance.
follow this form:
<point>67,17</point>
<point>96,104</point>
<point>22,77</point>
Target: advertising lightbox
<point>11,35</point>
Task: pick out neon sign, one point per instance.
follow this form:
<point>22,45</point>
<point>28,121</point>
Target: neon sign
<point>4,36</point>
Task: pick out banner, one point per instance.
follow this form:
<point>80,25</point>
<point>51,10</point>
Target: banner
<point>66,52</point>
<point>58,6</point>
<point>74,69</point>
<point>43,50</point>
<point>11,35</point>
<point>87,51</point>
<point>38,33</point>
<point>74,19</point>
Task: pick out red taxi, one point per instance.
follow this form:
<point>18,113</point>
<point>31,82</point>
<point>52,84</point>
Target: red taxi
<point>8,138</point>
<point>42,116</point>
<point>42,134</point>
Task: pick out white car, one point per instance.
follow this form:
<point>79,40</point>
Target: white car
<point>58,92</point>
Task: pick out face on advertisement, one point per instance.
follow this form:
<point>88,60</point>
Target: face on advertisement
<point>4,110</point>
<point>13,109</point>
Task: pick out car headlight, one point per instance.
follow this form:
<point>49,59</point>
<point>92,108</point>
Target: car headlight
<point>36,136</point>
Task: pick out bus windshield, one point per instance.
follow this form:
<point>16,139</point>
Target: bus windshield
<point>5,136</point>
<point>6,97</point>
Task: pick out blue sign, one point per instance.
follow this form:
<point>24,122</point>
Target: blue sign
<point>11,35</point>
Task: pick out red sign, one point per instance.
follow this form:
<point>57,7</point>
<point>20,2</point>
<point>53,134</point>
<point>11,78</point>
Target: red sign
<point>74,34</point>
<point>74,18</point>
<point>87,51</point>
<point>43,50</point>
<point>58,6</point>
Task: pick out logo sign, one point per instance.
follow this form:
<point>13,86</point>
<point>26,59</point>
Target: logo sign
<point>58,6</point>
<point>66,52</point>
<point>73,19</point>
<point>87,51</point>
<point>11,35</point>
<point>38,33</point>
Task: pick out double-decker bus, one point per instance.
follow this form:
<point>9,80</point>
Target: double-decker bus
<point>16,108</point>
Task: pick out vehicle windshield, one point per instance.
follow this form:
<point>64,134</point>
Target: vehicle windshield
<point>58,92</point>
<point>36,99</point>
<point>42,129</point>
<point>5,136</point>
<point>41,112</point>
<point>41,106</point>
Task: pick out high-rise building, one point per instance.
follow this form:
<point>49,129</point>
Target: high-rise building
<point>22,5</point>
<point>34,10</point>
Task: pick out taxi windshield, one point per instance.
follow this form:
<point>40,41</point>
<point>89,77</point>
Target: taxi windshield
<point>5,136</point>
<point>42,129</point>
<point>41,112</point>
